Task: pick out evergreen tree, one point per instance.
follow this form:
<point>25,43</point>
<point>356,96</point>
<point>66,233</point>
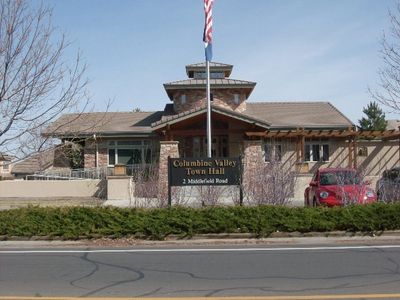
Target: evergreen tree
<point>375,118</point>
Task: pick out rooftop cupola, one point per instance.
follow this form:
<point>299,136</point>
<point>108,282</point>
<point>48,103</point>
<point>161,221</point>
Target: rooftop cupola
<point>217,70</point>
<point>225,92</point>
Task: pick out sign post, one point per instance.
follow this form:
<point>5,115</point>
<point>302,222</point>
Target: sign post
<point>204,171</point>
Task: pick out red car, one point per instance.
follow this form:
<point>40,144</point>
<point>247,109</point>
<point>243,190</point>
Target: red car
<point>338,187</point>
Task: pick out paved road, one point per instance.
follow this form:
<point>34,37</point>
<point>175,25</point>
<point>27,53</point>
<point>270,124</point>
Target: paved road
<point>224,271</point>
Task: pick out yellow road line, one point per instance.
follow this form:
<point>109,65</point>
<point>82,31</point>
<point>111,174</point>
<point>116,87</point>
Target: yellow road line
<point>299,297</point>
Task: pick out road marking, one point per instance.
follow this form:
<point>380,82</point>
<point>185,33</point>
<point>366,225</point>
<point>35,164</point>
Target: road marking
<point>300,297</point>
<point>194,250</point>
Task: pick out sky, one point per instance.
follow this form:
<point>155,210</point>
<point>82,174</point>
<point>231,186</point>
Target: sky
<point>295,50</point>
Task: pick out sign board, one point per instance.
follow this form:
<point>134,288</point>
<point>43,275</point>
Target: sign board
<point>204,171</point>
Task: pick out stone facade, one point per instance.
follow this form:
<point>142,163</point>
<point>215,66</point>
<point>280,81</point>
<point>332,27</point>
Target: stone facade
<point>197,98</point>
<point>253,158</point>
<point>90,150</point>
<point>167,149</point>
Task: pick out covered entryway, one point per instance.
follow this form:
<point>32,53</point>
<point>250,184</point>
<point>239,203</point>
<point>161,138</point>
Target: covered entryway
<point>189,130</point>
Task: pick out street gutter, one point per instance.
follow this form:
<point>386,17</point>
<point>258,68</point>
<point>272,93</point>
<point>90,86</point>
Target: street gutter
<point>278,238</point>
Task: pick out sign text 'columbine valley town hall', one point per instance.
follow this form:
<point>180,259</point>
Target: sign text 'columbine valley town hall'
<point>205,171</point>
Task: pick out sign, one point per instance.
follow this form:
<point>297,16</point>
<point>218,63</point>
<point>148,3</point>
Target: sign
<point>204,171</point>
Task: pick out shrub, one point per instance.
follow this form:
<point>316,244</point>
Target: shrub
<point>77,222</point>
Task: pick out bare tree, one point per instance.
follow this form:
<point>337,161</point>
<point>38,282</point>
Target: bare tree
<point>210,195</point>
<point>271,184</point>
<point>37,84</point>
<point>389,74</point>
<point>145,186</point>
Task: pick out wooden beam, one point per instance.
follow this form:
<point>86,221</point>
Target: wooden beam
<point>201,132</point>
<point>330,133</point>
<point>350,154</point>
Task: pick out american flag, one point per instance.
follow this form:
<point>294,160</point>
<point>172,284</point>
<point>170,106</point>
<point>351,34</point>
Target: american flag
<point>207,36</point>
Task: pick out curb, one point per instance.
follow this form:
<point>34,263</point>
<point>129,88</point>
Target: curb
<point>217,236</point>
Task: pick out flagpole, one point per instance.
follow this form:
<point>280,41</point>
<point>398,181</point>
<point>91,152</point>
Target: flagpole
<point>209,141</point>
<point>207,39</point>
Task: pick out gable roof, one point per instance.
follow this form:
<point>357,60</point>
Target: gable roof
<point>34,163</point>
<point>106,123</point>
<point>298,114</point>
<point>271,115</point>
<point>203,109</point>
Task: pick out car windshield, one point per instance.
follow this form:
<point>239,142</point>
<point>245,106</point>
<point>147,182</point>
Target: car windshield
<point>339,178</point>
<point>392,174</point>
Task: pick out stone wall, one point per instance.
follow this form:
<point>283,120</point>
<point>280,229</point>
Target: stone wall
<point>197,98</point>
<point>52,188</point>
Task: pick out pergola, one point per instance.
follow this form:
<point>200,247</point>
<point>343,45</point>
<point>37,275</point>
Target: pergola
<point>351,135</point>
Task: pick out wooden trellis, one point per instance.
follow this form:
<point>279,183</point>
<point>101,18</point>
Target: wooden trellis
<point>350,135</point>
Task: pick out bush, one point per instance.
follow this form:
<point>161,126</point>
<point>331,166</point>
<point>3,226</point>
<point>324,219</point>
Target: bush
<point>78,222</point>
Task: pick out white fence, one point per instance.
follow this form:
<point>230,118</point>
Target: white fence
<point>70,174</point>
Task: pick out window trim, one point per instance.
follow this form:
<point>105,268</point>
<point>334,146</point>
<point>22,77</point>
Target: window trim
<point>277,151</point>
<point>142,147</point>
<point>321,146</point>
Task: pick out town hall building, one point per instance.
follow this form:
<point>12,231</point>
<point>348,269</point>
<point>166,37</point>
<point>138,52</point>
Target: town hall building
<point>301,135</point>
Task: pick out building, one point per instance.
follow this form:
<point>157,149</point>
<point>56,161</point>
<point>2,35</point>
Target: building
<point>5,166</point>
<point>302,136</point>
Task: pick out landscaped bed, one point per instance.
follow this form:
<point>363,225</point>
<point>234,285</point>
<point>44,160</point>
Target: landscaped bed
<point>261,221</point>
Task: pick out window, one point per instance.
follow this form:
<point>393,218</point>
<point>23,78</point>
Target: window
<point>203,75</point>
<point>128,143</point>
<point>236,98</point>
<point>196,147</point>
<point>316,152</point>
<point>362,151</point>
<point>129,152</point>
<point>217,75</point>
<point>272,152</point>
<point>183,99</point>
<point>111,156</point>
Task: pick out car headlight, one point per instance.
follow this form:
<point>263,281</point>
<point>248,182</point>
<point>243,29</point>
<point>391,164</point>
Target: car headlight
<point>370,194</point>
<point>324,194</point>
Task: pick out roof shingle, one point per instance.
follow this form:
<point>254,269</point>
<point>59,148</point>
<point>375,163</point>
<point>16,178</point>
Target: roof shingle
<point>104,123</point>
<point>298,114</point>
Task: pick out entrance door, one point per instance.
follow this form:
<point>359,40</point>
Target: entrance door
<point>197,146</point>
<point>219,146</point>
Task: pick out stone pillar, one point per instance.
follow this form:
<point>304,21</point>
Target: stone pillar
<point>90,149</point>
<point>89,155</point>
<point>253,158</point>
<point>167,148</point>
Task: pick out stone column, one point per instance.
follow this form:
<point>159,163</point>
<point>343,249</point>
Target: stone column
<point>253,159</point>
<point>89,152</point>
<point>90,149</point>
<point>167,148</point>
